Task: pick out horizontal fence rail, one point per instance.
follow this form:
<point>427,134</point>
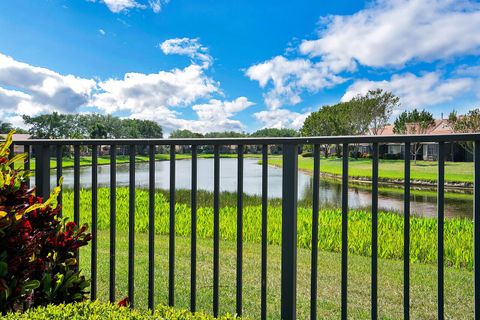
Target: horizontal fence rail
<point>44,150</point>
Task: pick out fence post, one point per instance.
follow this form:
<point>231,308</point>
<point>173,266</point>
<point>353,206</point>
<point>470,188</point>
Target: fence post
<point>289,231</point>
<point>42,171</point>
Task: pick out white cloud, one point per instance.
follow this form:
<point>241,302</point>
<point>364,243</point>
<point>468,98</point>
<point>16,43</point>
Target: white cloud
<point>216,115</point>
<point>28,89</point>
<point>395,32</point>
<point>187,47</point>
<point>415,91</point>
<point>162,96</point>
<point>118,6</point>
<point>281,118</point>
<point>290,78</point>
<point>102,32</point>
<point>138,92</point>
<point>156,5</point>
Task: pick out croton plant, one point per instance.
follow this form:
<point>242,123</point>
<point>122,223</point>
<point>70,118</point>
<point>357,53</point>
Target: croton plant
<point>37,247</point>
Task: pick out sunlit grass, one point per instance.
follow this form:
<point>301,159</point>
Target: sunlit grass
<point>388,169</point>
<point>458,231</point>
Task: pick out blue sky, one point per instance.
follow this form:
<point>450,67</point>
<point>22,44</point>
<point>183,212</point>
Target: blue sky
<point>234,65</point>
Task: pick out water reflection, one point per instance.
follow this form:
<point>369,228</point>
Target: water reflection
<point>422,203</point>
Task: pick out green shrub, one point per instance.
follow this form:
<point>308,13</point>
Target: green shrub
<point>97,310</point>
<point>37,248</point>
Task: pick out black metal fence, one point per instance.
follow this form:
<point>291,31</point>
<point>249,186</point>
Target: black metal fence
<point>43,150</point>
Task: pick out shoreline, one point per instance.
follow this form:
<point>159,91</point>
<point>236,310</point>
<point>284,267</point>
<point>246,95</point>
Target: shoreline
<point>460,187</point>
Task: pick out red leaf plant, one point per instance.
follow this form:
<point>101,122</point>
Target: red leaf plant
<point>37,247</point>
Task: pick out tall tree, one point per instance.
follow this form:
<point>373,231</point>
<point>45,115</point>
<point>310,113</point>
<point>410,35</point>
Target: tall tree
<point>377,107</point>
<point>333,120</point>
<point>185,134</point>
<point>468,123</point>
<point>275,132</point>
<point>50,126</point>
<point>414,122</point>
<point>225,134</point>
<point>5,127</point>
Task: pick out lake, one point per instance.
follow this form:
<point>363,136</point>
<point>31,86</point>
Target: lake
<point>423,203</point>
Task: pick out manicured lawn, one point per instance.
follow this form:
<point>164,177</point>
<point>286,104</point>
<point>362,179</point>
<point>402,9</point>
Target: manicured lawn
<point>105,160</point>
<point>388,169</point>
<point>458,285</point>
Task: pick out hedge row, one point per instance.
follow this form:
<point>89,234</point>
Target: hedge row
<point>97,310</point>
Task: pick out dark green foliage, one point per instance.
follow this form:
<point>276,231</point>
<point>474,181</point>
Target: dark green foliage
<point>97,310</point>
<point>225,134</point>
<point>469,123</point>
<point>76,126</point>
<point>413,122</point>
<point>5,127</point>
<point>185,134</point>
<point>274,132</point>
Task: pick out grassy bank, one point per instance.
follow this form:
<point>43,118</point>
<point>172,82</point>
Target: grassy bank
<point>455,172</point>
<point>458,232</point>
<point>105,160</point>
<point>458,282</point>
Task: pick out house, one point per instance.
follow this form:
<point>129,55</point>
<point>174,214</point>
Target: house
<point>16,138</point>
<point>427,150</point>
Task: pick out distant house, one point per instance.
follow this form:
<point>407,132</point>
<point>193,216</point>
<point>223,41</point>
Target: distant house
<point>428,150</point>
<point>16,138</point>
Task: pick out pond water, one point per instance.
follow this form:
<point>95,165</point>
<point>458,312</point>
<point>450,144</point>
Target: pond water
<point>423,203</point>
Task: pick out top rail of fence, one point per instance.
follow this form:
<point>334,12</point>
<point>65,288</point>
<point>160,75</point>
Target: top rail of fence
<point>458,137</point>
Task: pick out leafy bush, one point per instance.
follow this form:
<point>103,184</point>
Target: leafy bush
<point>37,248</point>
<point>307,154</point>
<point>392,156</point>
<point>97,310</point>
<point>423,231</point>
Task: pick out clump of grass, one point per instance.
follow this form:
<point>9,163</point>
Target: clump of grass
<point>423,231</point>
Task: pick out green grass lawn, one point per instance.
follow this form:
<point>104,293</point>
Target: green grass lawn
<point>458,283</point>
<point>458,237</point>
<point>388,169</point>
<point>105,160</point>
<point>458,231</point>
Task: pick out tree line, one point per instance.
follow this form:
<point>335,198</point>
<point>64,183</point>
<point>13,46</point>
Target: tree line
<point>366,114</point>
<point>85,126</point>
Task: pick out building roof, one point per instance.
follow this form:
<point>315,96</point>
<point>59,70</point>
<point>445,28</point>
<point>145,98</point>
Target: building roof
<point>441,126</point>
<point>17,136</point>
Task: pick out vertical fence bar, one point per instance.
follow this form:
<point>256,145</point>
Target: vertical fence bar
<point>406,235</point>
<point>76,191</point>
<point>59,150</point>
<point>239,229</point>
<point>315,206</point>
<point>42,171</point>
<point>171,255</point>
<point>193,255</point>
<point>440,224</point>
<point>131,229</point>
<point>289,231</point>
<point>11,154</point>
<point>344,290</point>
<point>476,229</point>
<point>113,218</point>
<point>216,227</point>
<point>264,231</point>
<point>26,149</point>
<point>93,293</point>
<point>374,289</point>
<point>151,228</point>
